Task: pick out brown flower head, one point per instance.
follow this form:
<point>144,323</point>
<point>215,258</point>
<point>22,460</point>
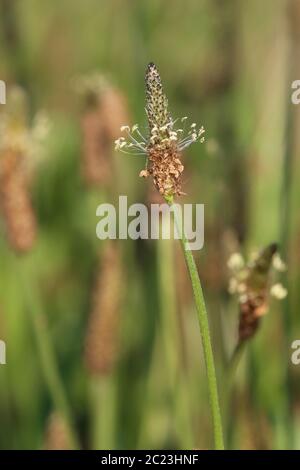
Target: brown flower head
<point>21,146</point>
<point>252,282</point>
<point>164,143</point>
<point>104,110</point>
<point>102,338</point>
<point>56,435</point>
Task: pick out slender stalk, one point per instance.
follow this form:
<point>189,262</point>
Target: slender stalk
<point>103,424</point>
<point>12,40</point>
<point>234,362</point>
<point>205,335</point>
<point>284,234</point>
<point>45,350</point>
<point>227,394</point>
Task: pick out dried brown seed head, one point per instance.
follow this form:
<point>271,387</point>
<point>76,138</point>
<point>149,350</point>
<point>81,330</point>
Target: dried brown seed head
<point>16,207</point>
<point>57,437</point>
<point>105,110</point>
<point>96,149</point>
<point>102,338</point>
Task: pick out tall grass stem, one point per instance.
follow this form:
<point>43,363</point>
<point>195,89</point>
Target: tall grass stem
<point>45,349</point>
<point>170,333</point>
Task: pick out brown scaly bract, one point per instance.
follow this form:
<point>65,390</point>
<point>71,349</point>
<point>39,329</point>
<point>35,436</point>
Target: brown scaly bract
<point>164,143</point>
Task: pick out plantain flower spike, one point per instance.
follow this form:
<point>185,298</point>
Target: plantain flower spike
<point>21,145</point>
<point>56,435</point>
<point>252,282</point>
<point>165,141</point>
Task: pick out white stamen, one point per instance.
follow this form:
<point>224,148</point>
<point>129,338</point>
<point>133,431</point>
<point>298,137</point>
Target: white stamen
<point>278,291</point>
<point>236,262</point>
<point>278,264</point>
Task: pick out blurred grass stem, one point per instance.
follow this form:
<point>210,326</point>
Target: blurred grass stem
<point>103,420</point>
<point>171,339</point>
<point>45,348</point>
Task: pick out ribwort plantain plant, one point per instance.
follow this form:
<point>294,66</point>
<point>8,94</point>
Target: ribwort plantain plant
<point>163,147</point>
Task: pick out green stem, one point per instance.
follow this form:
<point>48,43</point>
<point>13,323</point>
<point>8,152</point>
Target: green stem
<point>45,351</point>
<point>227,395</point>
<point>104,412</point>
<point>205,335</point>
<point>285,232</point>
<point>234,362</point>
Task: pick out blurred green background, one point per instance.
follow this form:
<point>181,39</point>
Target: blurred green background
<point>104,335</point>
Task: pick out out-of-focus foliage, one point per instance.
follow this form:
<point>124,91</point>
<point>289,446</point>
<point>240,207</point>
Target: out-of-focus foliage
<point>229,66</point>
